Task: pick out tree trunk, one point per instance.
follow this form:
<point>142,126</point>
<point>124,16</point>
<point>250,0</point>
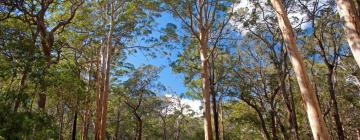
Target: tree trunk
<point>61,121</point>
<point>213,95</point>
<point>103,82</point>
<point>106,91</point>
<point>358,8</point>
<point>21,89</point>
<point>291,110</point>
<point>317,123</point>
<point>215,112</point>
<point>222,119</point>
<point>349,15</point>
<point>102,95</point>
<point>85,127</point>
<point>178,129</point>
<point>331,85</point>
<point>273,122</point>
<point>261,118</point>
<point>263,126</point>
<point>164,128</point>
<point>42,100</point>
<point>117,125</point>
<point>289,102</point>
<point>139,126</point>
<point>205,71</point>
<point>287,96</point>
<point>98,97</point>
<point>86,115</point>
<point>336,116</point>
<point>101,100</point>
<point>74,126</point>
<point>283,129</point>
<point>205,83</point>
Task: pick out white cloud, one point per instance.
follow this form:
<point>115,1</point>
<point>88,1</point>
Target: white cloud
<point>194,105</point>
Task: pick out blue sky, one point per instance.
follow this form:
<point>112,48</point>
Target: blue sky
<point>173,81</point>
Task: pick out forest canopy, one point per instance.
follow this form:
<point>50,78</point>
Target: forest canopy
<point>180,69</point>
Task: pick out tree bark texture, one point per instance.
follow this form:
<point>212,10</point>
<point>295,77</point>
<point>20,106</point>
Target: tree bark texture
<point>317,123</point>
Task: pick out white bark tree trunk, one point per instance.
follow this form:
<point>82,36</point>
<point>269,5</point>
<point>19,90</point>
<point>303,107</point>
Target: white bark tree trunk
<point>317,123</point>
<point>351,20</point>
<point>205,69</point>
<point>205,85</point>
<point>106,53</point>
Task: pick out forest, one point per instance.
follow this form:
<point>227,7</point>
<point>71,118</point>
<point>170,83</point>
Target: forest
<point>180,69</point>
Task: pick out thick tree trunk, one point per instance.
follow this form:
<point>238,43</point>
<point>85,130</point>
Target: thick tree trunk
<point>106,90</point>
<point>205,76</point>
<point>102,96</point>
<point>317,123</point>
<point>205,71</point>
<point>74,127</point>
<point>349,15</point>
<point>46,41</point>
<point>103,82</point>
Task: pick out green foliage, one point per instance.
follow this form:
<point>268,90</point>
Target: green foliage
<point>25,125</point>
<point>246,125</point>
<point>247,58</point>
